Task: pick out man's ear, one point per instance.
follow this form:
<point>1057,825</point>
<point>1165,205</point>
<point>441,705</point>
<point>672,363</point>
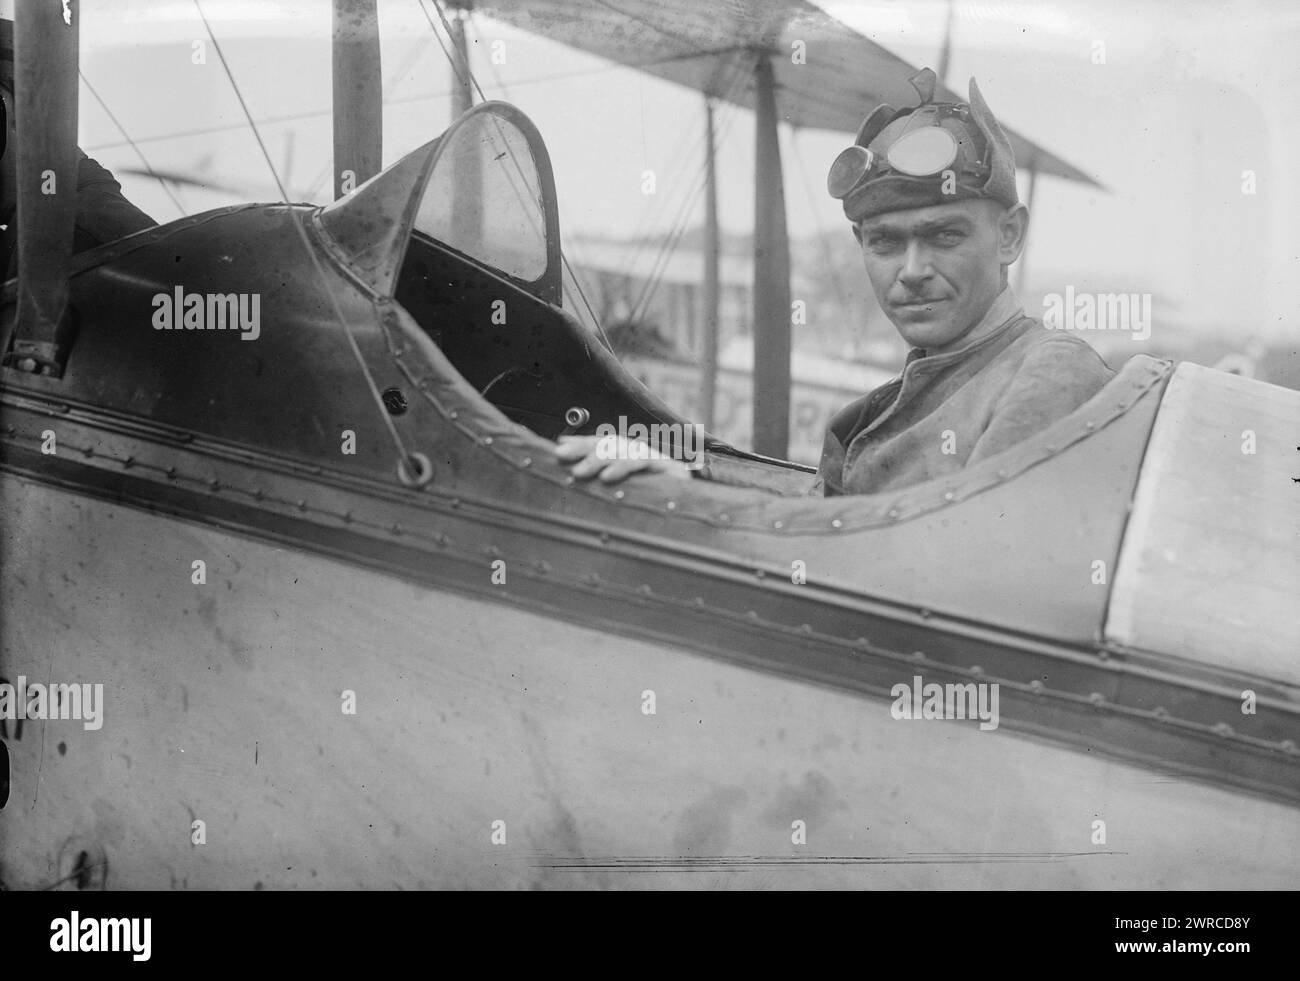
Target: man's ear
<point>1013,225</point>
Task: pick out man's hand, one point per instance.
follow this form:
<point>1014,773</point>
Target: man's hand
<point>614,458</point>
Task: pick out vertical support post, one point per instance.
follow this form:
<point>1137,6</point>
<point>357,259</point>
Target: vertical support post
<point>467,206</point>
<point>462,91</point>
<point>945,51</point>
<point>709,320</point>
<point>771,277</point>
<point>358,94</point>
<point>45,81</point>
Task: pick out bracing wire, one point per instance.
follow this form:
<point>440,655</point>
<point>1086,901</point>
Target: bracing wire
<point>670,242</point>
<point>134,146</point>
<point>465,73</point>
<point>836,282</point>
<point>403,456</point>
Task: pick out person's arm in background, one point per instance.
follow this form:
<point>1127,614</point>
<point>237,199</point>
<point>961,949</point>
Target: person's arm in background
<point>103,213</point>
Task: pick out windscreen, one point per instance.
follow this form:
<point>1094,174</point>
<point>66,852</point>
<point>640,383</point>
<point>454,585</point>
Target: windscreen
<point>484,198</point>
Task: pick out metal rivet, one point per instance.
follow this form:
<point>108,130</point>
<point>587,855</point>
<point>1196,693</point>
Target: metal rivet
<point>1002,475</point>
<point>699,601</point>
<point>752,614</point>
<point>1223,729</point>
<point>760,574</point>
<point>128,461</point>
<point>805,628</point>
<point>302,505</point>
<point>568,481</point>
<point>604,537</point>
<point>949,496</point>
<point>1161,713</point>
<point>453,414</point>
<point>918,655</point>
<point>214,484</point>
<point>1287,746</point>
<point>724,516</point>
<point>619,495</point>
<point>977,671</point>
<point>487,440</point>
<point>1036,687</point>
<point>671,505</point>
<point>893,512</point>
<point>1097,698</point>
<point>863,642</point>
<point>1051,447</point>
<point>778,525</point>
<point>837,523</point>
<point>1089,426</point>
<point>644,589</point>
<point>526,461</point>
<point>455,502</point>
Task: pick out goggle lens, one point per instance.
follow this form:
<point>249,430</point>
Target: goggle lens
<point>923,152</point>
<point>848,169</point>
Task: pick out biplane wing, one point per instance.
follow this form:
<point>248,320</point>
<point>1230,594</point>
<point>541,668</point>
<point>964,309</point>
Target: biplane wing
<point>828,75</point>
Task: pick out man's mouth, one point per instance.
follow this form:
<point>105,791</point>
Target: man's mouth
<point>919,304</point>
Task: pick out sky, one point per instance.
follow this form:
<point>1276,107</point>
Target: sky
<point>1175,106</point>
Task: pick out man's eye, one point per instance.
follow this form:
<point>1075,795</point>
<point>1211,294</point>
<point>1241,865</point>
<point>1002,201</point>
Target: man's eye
<point>949,236</point>
<point>882,243</point>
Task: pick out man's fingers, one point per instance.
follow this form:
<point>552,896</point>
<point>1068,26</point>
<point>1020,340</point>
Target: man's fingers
<point>570,448</point>
<point>588,466</point>
<point>614,459</point>
<point>617,470</point>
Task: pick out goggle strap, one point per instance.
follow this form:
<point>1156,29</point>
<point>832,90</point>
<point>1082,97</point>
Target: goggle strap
<point>880,117</point>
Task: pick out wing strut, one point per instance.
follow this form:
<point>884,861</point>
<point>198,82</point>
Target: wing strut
<point>771,277</point>
<point>45,79</point>
<point>358,95</point>
<point>709,344</point>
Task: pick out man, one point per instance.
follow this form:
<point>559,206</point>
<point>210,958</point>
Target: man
<point>931,194</point>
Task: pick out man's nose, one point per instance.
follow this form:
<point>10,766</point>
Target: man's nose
<point>916,265</point>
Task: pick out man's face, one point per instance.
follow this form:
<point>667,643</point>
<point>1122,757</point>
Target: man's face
<point>937,270</point>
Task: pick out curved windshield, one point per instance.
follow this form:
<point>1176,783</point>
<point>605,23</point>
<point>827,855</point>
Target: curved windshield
<point>484,198</point>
